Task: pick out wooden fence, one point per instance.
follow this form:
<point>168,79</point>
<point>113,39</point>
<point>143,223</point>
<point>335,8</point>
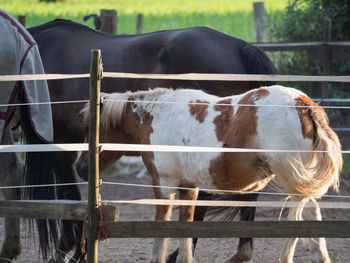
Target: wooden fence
<point>75,210</point>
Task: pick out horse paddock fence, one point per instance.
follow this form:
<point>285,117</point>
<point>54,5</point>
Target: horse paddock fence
<point>78,210</point>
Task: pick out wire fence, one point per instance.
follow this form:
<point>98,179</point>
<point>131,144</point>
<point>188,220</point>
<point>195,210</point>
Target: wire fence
<point>170,148</point>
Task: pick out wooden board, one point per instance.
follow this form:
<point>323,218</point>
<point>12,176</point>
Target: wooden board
<point>53,209</point>
<point>212,229</point>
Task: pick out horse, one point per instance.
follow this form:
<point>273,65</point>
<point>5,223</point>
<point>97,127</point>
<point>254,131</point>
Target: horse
<point>196,50</point>
<point>19,54</point>
<point>186,117</point>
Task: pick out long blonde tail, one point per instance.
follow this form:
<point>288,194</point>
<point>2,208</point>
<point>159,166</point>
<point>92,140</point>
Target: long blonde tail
<point>323,168</point>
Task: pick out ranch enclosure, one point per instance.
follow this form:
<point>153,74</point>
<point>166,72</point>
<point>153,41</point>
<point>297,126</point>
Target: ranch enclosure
<point>212,250</point>
<point>340,223</point>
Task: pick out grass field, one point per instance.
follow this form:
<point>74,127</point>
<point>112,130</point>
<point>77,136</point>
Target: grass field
<point>233,17</point>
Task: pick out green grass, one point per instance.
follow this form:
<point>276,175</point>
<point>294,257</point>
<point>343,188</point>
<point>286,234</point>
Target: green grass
<point>233,17</point>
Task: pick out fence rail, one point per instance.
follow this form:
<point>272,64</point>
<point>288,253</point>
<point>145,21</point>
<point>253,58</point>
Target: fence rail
<point>213,229</point>
<point>53,209</point>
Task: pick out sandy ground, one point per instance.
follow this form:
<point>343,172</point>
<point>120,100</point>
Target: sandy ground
<point>208,250</point>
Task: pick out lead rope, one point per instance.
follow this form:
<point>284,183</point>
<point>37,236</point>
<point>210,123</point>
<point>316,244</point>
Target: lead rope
<point>101,235</point>
<point>83,237</point>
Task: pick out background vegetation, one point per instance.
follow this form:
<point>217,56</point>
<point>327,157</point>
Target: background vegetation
<point>303,21</point>
<point>233,17</point>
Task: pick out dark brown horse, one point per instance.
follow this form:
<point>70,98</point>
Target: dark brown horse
<point>65,47</point>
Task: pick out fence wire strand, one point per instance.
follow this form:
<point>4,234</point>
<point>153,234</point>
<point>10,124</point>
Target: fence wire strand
<point>178,103</point>
<point>190,76</point>
<point>222,191</point>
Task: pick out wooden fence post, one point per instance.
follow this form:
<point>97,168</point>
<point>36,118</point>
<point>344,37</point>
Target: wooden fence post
<point>93,173</point>
<point>109,21</point>
<point>22,20</point>
<point>327,29</point>
<point>139,23</point>
<point>260,21</point>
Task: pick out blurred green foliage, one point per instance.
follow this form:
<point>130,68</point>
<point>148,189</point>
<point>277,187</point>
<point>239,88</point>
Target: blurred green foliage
<point>233,17</point>
<point>303,21</point>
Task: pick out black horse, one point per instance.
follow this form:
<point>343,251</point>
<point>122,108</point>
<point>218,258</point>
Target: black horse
<point>65,47</point>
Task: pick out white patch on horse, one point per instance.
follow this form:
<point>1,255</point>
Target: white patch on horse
<point>169,129</point>
<point>283,118</point>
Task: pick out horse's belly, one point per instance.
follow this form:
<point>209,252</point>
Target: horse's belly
<point>185,169</point>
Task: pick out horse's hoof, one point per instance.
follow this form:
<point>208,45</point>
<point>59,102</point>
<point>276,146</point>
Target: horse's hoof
<point>244,254</point>
<point>8,254</point>
<point>317,257</point>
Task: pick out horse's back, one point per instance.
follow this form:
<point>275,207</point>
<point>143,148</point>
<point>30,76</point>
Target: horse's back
<point>197,49</point>
<point>211,50</point>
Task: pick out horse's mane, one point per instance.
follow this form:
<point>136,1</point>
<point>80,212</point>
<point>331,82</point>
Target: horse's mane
<point>113,108</point>
<point>57,23</point>
<point>114,104</point>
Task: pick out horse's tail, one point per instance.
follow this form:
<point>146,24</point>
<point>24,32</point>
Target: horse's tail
<point>229,213</point>
<point>39,170</point>
<point>324,166</point>
<point>257,62</point>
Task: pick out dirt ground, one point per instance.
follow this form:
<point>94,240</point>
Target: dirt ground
<point>208,250</point>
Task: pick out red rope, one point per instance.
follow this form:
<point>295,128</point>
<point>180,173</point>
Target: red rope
<point>101,235</point>
<point>83,237</point>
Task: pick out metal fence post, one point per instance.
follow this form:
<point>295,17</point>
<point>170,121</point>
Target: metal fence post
<point>93,174</point>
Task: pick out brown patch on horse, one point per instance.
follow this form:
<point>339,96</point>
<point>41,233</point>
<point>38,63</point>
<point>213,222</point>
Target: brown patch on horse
<point>240,171</point>
<point>137,124</point>
<point>139,130</point>
<point>307,125</point>
<point>112,135</point>
<point>199,111</point>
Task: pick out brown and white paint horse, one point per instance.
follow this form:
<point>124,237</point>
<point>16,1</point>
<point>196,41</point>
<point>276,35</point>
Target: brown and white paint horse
<point>147,117</point>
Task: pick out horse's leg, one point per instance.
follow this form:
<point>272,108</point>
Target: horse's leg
<point>186,214</point>
<point>199,213</point>
<point>163,213</point>
<point>317,246</point>
<point>71,231</point>
<point>11,174</point>
<point>245,246</point>
<point>288,250</point>
<point>11,246</point>
<point>294,214</point>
